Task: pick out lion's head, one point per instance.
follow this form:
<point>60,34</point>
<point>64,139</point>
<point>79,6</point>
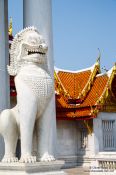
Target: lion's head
<point>27,46</point>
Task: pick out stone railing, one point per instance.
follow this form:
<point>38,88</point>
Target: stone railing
<point>107,164</point>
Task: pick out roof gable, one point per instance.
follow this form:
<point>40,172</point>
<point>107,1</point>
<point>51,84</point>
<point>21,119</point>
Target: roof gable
<point>75,85</point>
<point>97,91</point>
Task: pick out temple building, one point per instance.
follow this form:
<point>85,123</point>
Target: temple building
<point>86,115</point>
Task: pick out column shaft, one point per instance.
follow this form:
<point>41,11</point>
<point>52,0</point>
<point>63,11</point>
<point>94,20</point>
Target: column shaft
<point>4,59</point>
<point>38,13</point>
<point>4,56</point>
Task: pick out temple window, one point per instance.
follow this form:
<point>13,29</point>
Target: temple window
<point>108,134</point>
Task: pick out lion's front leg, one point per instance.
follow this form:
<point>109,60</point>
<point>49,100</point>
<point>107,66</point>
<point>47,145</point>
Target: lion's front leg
<point>9,131</point>
<point>46,133</point>
<point>27,120</point>
<point>27,106</point>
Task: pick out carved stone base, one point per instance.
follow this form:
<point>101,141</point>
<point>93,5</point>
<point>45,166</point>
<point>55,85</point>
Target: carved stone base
<point>39,168</point>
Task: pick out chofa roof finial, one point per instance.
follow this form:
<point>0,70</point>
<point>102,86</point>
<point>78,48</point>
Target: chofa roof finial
<point>99,56</point>
<point>10,27</point>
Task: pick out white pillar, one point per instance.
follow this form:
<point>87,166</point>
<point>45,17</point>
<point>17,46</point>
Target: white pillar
<point>4,58</point>
<point>38,13</point>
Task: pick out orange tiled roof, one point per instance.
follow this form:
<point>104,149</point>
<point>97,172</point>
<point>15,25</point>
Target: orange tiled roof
<point>96,91</point>
<point>76,84</point>
<point>95,95</point>
<point>92,97</point>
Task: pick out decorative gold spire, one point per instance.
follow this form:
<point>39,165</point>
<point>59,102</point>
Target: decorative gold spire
<point>99,56</point>
<point>10,27</point>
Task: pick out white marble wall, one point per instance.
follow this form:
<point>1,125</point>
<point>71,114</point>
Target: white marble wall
<point>69,143</point>
<point>66,138</point>
<point>69,139</point>
<point>102,156</point>
<point>98,132</point>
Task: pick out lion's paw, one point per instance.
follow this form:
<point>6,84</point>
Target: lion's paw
<point>47,158</point>
<point>27,159</point>
<point>9,159</point>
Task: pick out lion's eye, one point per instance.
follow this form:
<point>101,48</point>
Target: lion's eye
<point>33,41</point>
<point>38,40</point>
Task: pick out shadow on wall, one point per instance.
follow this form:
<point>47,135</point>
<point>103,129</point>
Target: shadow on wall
<point>72,143</point>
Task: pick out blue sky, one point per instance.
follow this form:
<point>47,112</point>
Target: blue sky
<point>80,27</point>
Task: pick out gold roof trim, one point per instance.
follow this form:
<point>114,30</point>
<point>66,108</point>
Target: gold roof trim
<point>60,88</point>
<point>91,79</point>
<point>105,93</point>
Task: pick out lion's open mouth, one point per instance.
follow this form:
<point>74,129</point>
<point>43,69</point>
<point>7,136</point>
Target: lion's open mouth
<point>35,52</point>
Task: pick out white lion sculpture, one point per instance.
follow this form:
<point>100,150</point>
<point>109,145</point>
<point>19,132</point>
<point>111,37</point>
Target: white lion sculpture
<point>34,86</point>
